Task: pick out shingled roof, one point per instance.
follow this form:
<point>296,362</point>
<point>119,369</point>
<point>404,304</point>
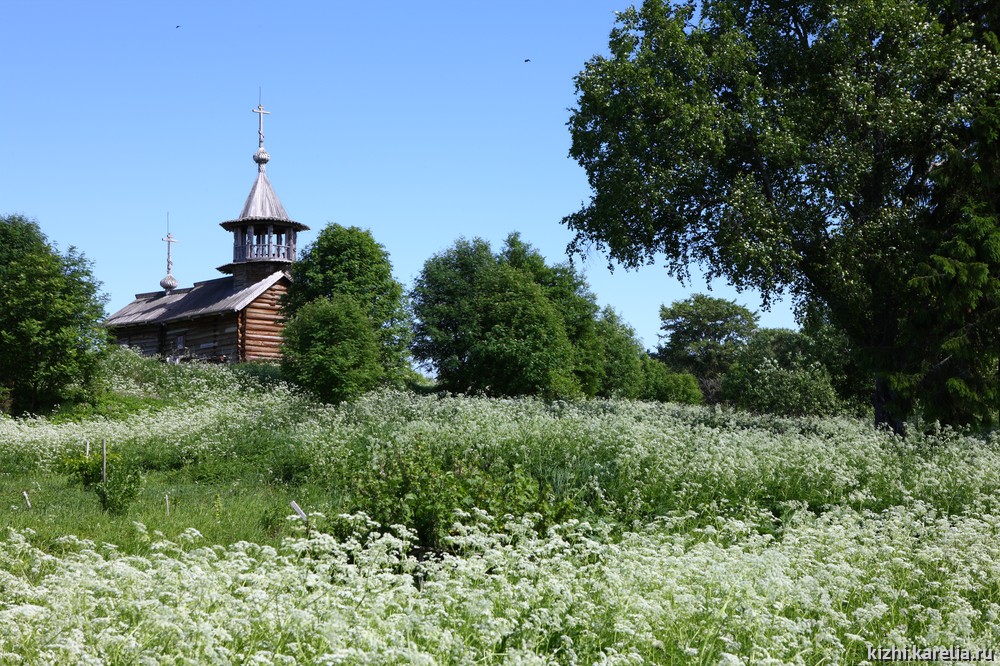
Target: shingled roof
<point>204,298</point>
<point>262,203</point>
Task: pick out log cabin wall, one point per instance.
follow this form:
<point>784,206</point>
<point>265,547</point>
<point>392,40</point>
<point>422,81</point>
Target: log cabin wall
<point>147,339</point>
<point>252,272</point>
<point>212,337</point>
<point>261,324</point>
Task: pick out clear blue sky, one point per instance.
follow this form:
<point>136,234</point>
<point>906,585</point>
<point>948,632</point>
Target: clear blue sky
<point>419,121</point>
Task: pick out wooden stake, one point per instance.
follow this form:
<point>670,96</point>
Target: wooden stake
<point>26,500</point>
<point>167,497</point>
<point>303,516</point>
<point>104,460</point>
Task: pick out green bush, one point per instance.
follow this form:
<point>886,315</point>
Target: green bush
<point>111,406</point>
<point>621,355</point>
<point>772,389</point>
<point>330,349</point>
<point>267,373</point>
<point>118,491</point>
<point>122,487</point>
<point>778,372</point>
<point>661,385</point>
<point>86,470</point>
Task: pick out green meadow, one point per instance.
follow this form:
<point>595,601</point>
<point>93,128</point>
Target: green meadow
<point>458,529</point>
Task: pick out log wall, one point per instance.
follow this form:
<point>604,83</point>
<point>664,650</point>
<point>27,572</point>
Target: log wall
<point>212,338</point>
<point>208,338</point>
<point>260,326</point>
<point>147,339</point>
<point>253,334</point>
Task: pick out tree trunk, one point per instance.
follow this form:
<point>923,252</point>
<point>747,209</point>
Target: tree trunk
<point>884,402</point>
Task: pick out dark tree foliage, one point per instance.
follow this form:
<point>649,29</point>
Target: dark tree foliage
<point>331,349</point>
<point>661,385</point>
<point>777,372</point>
<point>845,153</point>
<point>620,357</point>
<point>51,338</point>
<point>701,336</point>
<point>508,323</point>
<point>953,347</point>
<point>348,261</point>
<point>830,346</point>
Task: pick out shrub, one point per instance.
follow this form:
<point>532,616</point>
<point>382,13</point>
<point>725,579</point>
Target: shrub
<point>772,389</point>
<point>330,349</point>
<point>776,372</point>
<point>85,470</point>
<point>118,491</point>
<point>122,487</point>
<point>661,385</point>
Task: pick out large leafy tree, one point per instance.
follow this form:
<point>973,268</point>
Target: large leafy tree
<point>348,261</point>
<point>506,323</point>
<point>446,303</point>
<point>701,335</point>
<point>816,148</point>
<point>523,348</point>
<point>51,338</point>
<point>569,292</point>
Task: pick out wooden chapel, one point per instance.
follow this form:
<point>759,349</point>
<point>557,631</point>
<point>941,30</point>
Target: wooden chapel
<point>228,319</point>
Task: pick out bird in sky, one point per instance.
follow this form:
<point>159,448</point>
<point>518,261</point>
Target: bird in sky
<point>527,60</point>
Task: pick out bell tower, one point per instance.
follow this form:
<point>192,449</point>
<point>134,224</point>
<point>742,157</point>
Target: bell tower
<point>263,235</point>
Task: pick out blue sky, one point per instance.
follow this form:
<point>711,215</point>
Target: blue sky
<point>419,121</point>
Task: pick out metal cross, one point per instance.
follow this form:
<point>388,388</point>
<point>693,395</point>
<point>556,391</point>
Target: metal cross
<point>168,240</point>
<point>260,110</point>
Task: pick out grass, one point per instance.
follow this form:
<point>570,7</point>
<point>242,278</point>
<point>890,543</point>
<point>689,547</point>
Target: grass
<point>225,512</point>
<point>449,529</point>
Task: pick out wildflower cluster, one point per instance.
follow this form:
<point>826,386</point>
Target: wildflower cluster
<point>514,530</point>
<point>823,591</point>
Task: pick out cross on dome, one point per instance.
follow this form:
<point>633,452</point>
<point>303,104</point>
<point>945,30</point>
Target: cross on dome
<point>261,157</point>
<point>169,283</point>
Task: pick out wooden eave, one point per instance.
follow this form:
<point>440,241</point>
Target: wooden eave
<point>204,298</point>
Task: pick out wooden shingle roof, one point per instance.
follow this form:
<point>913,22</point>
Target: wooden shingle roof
<point>204,298</point>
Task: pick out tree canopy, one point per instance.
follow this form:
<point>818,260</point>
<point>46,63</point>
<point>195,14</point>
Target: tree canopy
<point>348,261</point>
<point>51,337</point>
<point>331,349</point>
<point>701,335</point>
<point>508,323</point>
<point>845,153</point>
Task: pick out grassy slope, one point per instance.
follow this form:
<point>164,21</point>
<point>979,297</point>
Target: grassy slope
<point>710,532</point>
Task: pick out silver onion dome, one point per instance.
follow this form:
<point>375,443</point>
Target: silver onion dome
<point>169,283</point>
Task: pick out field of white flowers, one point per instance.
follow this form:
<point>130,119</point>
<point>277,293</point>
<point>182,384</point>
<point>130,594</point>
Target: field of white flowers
<point>512,531</point>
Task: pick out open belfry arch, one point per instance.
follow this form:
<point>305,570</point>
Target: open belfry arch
<point>233,318</point>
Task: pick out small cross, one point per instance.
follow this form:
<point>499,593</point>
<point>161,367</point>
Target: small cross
<point>260,110</point>
<point>168,240</point>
